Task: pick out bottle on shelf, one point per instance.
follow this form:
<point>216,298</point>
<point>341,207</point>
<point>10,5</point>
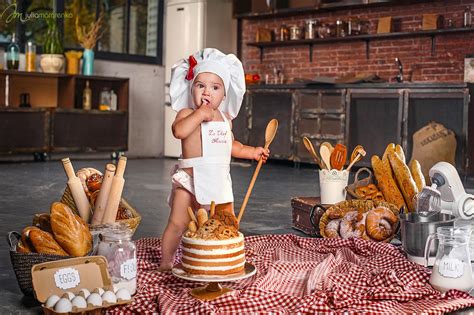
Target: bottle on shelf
<point>87,97</point>
<point>467,17</point>
<point>113,100</point>
<point>104,192</point>
<point>25,100</point>
<point>30,57</point>
<point>77,191</point>
<point>104,99</point>
<point>115,192</point>
<point>13,54</point>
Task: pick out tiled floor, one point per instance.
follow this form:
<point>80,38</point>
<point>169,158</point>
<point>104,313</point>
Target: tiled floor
<point>29,188</point>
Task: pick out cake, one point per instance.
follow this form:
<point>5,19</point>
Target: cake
<point>215,247</point>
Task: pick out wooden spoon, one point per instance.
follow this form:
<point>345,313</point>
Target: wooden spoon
<point>358,156</point>
<point>270,133</point>
<point>355,152</point>
<point>328,145</point>
<point>325,153</point>
<point>310,148</point>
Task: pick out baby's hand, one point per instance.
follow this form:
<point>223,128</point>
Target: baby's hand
<point>261,152</point>
<point>206,111</point>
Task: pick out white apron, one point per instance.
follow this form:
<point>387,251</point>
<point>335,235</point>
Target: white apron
<point>211,172</point>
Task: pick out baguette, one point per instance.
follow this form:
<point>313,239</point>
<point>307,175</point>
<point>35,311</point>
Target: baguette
<point>417,174</point>
<point>405,180</point>
<point>45,243</point>
<point>386,163</point>
<point>387,183</point>
<point>401,154</point>
<point>22,248</point>
<point>70,231</point>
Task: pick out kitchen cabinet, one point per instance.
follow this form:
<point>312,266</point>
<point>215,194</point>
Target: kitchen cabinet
<point>56,121</point>
<point>320,115</point>
<point>369,114</point>
<point>264,106</point>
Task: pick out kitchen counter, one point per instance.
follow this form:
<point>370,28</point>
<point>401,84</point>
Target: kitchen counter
<point>387,85</point>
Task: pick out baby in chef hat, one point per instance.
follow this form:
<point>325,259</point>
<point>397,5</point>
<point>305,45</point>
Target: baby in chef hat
<point>207,91</point>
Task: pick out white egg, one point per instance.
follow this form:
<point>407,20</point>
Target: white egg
<point>51,301</point>
<point>123,295</point>
<point>68,295</point>
<point>63,306</point>
<point>94,299</point>
<point>109,297</point>
<point>85,293</point>
<point>99,291</point>
<point>79,302</point>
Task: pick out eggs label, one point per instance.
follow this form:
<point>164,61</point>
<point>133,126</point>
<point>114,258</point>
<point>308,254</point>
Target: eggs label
<point>128,269</point>
<point>67,278</point>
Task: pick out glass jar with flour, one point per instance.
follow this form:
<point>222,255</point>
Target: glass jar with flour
<point>118,248</point>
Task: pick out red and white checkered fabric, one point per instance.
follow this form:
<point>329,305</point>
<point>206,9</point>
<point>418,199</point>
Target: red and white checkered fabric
<point>301,275</point>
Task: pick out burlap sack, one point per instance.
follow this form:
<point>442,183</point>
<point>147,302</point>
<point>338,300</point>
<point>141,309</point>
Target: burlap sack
<point>432,144</point>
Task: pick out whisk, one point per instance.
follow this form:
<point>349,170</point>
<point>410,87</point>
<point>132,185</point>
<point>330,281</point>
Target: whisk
<point>428,201</point>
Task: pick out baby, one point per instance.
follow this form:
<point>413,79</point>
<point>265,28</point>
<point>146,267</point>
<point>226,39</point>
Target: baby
<point>207,91</point>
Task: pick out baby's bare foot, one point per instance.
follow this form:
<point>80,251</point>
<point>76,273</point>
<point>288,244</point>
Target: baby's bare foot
<point>165,267</point>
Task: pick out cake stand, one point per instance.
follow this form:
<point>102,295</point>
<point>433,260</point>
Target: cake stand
<point>213,289</point>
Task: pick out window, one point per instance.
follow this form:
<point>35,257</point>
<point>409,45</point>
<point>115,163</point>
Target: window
<point>132,29</point>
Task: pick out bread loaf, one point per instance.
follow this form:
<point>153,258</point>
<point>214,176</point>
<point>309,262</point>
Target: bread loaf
<point>405,180</point>
<point>25,240</point>
<point>70,231</point>
<point>386,163</point>
<point>387,183</point>
<point>43,221</point>
<point>45,243</point>
<point>415,169</point>
<point>399,151</point>
<point>22,248</point>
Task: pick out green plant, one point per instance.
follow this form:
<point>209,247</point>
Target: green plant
<point>52,43</point>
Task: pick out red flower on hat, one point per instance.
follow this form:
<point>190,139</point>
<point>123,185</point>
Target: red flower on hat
<point>192,64</point>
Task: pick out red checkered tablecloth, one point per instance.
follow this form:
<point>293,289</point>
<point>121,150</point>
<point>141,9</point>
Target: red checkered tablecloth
<point>300,275</point>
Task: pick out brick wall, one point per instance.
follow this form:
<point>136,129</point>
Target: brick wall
<point>337,59</point>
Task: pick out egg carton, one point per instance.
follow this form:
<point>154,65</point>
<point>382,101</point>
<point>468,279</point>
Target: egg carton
<point>75,310</point>
<point>79,278</point>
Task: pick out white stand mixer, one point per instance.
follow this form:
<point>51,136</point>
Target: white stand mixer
<point>454,199</point>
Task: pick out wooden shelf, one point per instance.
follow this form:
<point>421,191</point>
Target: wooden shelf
<point>366,38</point>
<point>287,12</point>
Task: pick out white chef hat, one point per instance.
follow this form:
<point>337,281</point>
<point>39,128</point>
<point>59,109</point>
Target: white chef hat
<point>227,67</point>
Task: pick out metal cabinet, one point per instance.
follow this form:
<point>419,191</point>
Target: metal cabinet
<point>320,115</point>
<point>375,118</point>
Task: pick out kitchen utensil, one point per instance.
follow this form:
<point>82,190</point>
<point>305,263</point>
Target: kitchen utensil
<point>270,133</point>
<point>329,145</point>
<point>325,153</point>
<point>310,148</point>
<point>452,266</point>
<point>339,156</point>
<point>359,154</point>
<point>414,231</point>
<point>454,198</point>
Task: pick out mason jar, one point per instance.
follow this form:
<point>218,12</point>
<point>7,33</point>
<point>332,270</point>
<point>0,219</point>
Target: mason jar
<point>117,247</point>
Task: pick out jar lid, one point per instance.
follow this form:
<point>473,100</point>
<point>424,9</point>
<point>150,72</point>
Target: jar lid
<point>115,231</point>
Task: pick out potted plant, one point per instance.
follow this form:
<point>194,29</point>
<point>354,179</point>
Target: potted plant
<point>52,58</point>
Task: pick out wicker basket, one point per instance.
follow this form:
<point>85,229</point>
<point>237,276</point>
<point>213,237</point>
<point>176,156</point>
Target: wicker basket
<point>364,205</point>
<point>351,189</point>
<point>23,262</point>
<point>132,223</point>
